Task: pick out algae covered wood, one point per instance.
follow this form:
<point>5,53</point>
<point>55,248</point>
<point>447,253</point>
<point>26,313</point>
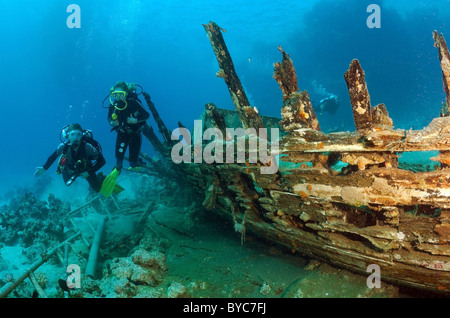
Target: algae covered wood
<point>444,58</point>
<point>216,118</point>
<point>165,133</point>
<point>297,111</point>
<point>285,75</point>
<point>248,115</point>
<point>359,95</point>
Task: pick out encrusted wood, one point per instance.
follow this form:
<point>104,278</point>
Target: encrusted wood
<point>297,111</point>
<point>247,114</point>
<point>359,95</point>
<point>444,57</point>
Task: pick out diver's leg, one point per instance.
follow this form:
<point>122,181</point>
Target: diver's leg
<point>121,147</point>
<point>95,181</point>
<point>135,148</point>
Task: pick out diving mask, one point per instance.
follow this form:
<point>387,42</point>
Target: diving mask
<point>117,96</point>
<point>74,137</point>
<point>118,99</point>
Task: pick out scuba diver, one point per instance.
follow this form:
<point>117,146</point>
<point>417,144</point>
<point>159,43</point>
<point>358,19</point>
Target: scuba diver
<point>127,117</point>
<point>329,104</point>
<point>79,156</point>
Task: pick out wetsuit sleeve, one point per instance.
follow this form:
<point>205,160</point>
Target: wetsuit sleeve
<point>93,154</point>
<point>53,157</point>
<point>50,160</point>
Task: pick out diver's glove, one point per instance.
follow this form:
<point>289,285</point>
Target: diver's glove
<point>39,171</point>
<point>114,123</point>
<point>132,120</point>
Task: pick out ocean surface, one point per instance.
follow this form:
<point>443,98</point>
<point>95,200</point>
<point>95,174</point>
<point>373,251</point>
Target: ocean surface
<point>53,75</point>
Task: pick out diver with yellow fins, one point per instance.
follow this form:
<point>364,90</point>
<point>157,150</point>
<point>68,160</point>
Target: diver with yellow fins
<point>127,117</point>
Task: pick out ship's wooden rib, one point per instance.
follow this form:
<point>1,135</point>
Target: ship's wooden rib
<point>359,96</point>
<point>444,57</point>
<point>247,114</point>
<point>297,111</point>
<point>165,133</point>
<point>216,119</point>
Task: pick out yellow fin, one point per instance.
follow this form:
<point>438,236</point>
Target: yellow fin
<point>109,183</point>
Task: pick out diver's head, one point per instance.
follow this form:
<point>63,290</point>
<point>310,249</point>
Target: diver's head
<point>74,133</point>
<point>118,95</point>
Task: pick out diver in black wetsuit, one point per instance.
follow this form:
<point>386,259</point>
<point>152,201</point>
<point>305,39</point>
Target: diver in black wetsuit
<point>329,104</point>
<point>127,116</point>
<point>81,156</point>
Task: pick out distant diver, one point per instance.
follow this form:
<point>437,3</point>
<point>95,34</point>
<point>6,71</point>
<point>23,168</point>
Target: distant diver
<point>79,156</point>
<point>127,117</point>
<point>329,104</point>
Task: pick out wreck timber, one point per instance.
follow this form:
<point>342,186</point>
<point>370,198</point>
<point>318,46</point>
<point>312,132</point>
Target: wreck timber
<point>370,212</point>
<point>248,115</point>
<point>444,58</point>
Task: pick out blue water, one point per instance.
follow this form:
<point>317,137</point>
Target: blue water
<point>52,75</point>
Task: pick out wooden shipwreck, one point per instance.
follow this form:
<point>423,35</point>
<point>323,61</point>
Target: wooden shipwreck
<point>370,212</point>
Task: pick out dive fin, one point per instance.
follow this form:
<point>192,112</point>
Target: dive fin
<point>109,183</point>
<point>117,189</point>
